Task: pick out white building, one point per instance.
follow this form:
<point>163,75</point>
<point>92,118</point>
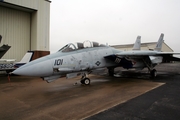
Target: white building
<point>24,25</point>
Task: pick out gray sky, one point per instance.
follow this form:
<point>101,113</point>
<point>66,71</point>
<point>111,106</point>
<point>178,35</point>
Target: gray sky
<point>114,21</point>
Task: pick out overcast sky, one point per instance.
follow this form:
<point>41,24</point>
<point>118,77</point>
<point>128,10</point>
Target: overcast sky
<point>114,21</point>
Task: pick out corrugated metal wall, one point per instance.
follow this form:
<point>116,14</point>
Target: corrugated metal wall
<point>15,30</point>
<point>25,3</point>
<point>40,20</point>
<point>24,25</point>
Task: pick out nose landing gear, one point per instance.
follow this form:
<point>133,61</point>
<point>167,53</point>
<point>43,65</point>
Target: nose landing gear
<point>85,80</point>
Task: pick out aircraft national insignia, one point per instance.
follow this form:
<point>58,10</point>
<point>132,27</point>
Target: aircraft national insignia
<point>98,63</point>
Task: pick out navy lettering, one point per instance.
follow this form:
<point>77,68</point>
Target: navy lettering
<point>58,62</point>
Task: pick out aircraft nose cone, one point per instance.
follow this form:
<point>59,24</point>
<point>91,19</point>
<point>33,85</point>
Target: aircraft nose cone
<point>39,67</point>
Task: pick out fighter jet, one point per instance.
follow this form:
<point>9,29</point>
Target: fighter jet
<point>84,58</point>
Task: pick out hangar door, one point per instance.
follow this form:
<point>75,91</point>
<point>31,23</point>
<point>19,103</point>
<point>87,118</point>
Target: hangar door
<point>15,31</point>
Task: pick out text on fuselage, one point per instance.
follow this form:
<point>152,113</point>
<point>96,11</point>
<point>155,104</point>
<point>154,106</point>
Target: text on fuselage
<point>58,62</point>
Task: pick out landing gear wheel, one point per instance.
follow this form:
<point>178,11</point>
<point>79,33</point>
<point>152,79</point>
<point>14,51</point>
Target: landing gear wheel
<point>153,73</point>
<point>85,81</point>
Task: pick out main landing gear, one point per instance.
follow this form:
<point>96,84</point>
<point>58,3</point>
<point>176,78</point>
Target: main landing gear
<point>85,80</point>
<point>153,73</point>
<point>111,71</point>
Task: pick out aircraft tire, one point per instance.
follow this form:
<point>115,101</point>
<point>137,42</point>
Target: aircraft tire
<point>153,73</point>
<point>87,81</point>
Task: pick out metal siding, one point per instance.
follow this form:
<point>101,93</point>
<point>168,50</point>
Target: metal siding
<point>166,48</point>
<point>33,4</point>
<point>15,30</point>
<point>25,31</point>
<point>40,22</point>
<point>43,26</point>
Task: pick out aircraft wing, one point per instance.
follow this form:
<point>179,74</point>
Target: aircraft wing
<point>125,58</point>
<point>145,53</point>
<point>169,56</point>
<point>135,53</point>
<point>142,54</point>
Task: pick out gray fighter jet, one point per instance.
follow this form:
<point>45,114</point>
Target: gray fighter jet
<point>84,58</point>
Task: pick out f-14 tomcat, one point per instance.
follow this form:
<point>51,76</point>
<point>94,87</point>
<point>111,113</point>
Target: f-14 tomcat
<point>84,58</point>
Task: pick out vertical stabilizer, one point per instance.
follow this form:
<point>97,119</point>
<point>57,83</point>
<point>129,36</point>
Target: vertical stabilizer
<point>3,50</point>
<point>137,44</point>
<point>159,43</point>
<point>26,58</point>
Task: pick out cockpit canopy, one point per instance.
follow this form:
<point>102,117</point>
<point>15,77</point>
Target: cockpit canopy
<point>76,46</point>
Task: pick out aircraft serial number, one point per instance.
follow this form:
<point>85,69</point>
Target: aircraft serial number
<point>58,62</point>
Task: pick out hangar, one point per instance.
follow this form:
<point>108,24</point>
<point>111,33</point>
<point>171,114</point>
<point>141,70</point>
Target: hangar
<point>144,46</point>
<point>24,25</point>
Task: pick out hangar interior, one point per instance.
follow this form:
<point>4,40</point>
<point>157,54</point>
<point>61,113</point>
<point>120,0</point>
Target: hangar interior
<point>24,25</point>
